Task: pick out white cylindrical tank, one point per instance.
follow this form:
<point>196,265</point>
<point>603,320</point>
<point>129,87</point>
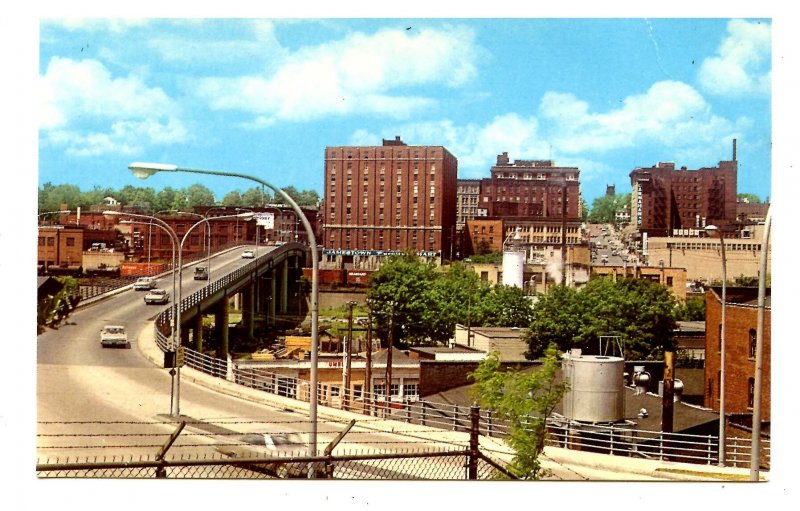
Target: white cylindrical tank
<point>596,388</point>
<point>513,266</point>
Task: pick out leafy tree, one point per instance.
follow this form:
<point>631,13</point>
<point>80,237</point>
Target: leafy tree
<point>487,258</point>
<point>749,197</point>
<point>693,309</point>
<point>232,199</point>
<point>605,208</point>
<point>584,210</point>
<point>640,312</point>
<point>255,198</point>
<point>199,195</point>
<point>506,306</point>
<point>52,197</point>
<point>455,296</point>
<point>525,400</point>
<point>483,247</point>
<point>165,199</point>
<point>304,198</point>
<point>397,291</point>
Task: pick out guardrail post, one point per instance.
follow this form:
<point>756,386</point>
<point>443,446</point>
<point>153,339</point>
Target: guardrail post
<point>474,432</point>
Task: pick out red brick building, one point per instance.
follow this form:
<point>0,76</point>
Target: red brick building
<point>664,199</point>
<point>740,348</point>
<point>385,199</point>
<point>531,189</point>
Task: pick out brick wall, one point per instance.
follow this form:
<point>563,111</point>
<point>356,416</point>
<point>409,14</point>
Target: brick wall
<point>739,365</point>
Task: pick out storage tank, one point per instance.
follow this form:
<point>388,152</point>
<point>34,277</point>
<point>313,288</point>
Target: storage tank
<point>596,387</point>
<point>513,260</point>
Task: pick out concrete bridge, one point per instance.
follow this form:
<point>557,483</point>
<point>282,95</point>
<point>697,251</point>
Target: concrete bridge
<point>269,287</point>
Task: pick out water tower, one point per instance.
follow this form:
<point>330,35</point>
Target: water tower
<point>513,260</point>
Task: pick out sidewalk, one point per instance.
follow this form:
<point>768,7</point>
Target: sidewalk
<point>586,465</point>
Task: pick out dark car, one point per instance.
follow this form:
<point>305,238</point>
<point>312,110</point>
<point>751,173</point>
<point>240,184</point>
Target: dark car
<point>200,273</point>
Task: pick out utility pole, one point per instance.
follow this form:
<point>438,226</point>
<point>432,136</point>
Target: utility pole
<point>390,344</point>
<point>348,345</point>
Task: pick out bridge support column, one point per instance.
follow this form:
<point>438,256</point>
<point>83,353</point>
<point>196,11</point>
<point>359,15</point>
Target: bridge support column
<point>197,333</point>
<point>184,335</point>
<point>221,327</point>
<point>272,298</point>
<point>284,286</point>
<point>248,305</point>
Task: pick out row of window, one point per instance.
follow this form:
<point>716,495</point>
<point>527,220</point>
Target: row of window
<point>755,247</point>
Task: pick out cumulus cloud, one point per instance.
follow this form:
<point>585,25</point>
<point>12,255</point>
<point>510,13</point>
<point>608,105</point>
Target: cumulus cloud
<point>88,111</point>
<point>362,73</point>
<point>670,113</point>
<point>742,64</point>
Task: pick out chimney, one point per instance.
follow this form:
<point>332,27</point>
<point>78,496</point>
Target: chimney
<point>734,149</point>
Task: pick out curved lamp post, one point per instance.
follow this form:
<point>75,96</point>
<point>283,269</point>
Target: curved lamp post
<point>714,231</point>
<point>176,304</point>
<point>145,170</point>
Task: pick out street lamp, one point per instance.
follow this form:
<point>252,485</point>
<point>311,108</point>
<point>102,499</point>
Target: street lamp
<point>145,170</point>
<point>176,305</point>
<point>714,231</point>
<point>236,234</point>
<point>755,438</point>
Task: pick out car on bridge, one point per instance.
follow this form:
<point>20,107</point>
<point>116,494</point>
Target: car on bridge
<point>114,336</point>
<point>200,273</point>
<point>156,297</point>
<point>248,254</point>
<point>144,283</point>
<point>279,452</point>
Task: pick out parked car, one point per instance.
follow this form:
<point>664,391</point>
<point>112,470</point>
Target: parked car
<point>200,273</point>
<point>156,297</point>
<point>114,336</point>
<point>144,283</point>
<point>248,254</point>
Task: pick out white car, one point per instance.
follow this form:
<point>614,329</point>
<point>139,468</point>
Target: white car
<point>248,254</point>
<point>156,297</point>
<point>144,283</point>
<point>114,336</point>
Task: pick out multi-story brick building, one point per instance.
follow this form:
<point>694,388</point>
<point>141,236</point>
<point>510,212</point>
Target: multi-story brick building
<point>665,199</point>
<point>382,200</point>
<point>740,350</point>
<point>60,246</point>
<point>467,202</point>
<point>673,278</point>
<point>531,189</point>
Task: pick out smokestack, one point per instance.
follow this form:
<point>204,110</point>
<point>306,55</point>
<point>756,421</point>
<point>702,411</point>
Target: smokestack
<point>734,149</point>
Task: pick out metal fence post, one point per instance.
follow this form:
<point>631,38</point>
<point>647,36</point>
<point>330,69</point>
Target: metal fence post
<point>423,413</point>
<point>408,410</point>
<point>474,432</point>
<point>488,423</point>
<point>455,417</point>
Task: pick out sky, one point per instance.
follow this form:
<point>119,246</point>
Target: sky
<point>266,96</point>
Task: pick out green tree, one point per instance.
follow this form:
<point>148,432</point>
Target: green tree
<point>199,195</point>
<point>525,400</point>
<point>693,309</point>
<point>605,208</point>
<point>304,198</point>
<point>255,198</point>
<point>640,312</point>
<point>453,297</point>
<point>749,197</point>
<point>506,306</point>
<point>398,295</point>
<point>232,199</point>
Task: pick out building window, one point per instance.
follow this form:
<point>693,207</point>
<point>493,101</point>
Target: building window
<point>41,241</point>
<point>394,389</point>
<point>70,242</point>
<point>752,343</point>
<point>751,392</point>
<point>411,390</point>
<point>379,389</point>
<point>358,391</point>
<point>51,242</point>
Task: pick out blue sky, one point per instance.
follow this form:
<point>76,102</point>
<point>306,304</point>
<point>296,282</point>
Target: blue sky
<point>266,96</point>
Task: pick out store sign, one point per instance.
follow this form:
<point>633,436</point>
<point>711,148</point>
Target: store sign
<point>374,253</point>
<point>266,220</point>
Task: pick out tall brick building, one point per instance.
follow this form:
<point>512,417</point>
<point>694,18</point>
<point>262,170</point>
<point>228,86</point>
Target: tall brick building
<point>664,199</point>
<point>385,199</point>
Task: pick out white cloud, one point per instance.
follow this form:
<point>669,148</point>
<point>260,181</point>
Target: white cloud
<point>87,110</point>
<point>669,113</point>
<point>742,65</point>
<point>359,74</point>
